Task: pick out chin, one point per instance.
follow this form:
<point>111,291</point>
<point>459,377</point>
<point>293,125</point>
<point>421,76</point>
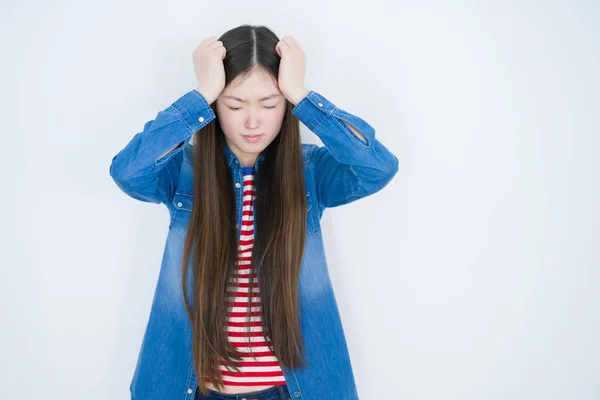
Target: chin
<point>254,148</point>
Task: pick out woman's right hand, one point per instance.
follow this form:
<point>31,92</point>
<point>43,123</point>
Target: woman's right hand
<point>208,67</point>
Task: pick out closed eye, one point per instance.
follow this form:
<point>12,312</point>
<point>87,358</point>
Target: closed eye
<point>237,108</point>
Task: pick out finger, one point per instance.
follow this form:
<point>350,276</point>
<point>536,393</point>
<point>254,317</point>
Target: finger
<point>278,48</point>
<point>291,41</point>
<point>215,45</point>
<point>208,41</point>
<point>284,43</point>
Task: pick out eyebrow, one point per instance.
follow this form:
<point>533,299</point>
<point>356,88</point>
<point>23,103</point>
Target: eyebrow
<point>244,101</point>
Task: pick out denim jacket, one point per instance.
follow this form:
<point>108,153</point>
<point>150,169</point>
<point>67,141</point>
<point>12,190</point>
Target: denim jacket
<point>341,171</point>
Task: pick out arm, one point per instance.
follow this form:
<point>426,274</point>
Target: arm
<point>352,164</point>
<point>296,98</point>
<point>147,168</point>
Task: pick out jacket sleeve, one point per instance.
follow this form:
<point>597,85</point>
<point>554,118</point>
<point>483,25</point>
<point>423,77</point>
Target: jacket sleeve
<point>142,169</point>
<point>346,168</point>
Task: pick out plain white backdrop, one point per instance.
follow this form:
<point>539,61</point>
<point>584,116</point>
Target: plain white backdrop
<point>474,275</point>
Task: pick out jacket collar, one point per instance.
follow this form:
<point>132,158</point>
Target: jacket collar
<point>231,157</point>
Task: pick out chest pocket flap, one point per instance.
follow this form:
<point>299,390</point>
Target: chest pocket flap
<point>182,212</point>
<point>183,201</point>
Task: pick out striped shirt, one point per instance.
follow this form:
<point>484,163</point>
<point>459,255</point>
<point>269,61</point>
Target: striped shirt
<point>263,369</point>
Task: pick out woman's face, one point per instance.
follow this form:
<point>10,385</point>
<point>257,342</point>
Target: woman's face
<point>254,106</point>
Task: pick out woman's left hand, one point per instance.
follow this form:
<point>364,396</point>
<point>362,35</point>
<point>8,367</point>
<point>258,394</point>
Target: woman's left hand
<point>292,68</point>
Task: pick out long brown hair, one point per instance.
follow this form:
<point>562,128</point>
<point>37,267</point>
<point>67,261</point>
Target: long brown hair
<point>280,227</point>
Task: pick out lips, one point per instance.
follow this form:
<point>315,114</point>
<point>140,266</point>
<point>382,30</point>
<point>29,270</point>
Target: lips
<point>252,138</point>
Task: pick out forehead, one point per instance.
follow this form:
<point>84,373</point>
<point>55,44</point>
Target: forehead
<point>252,87</point>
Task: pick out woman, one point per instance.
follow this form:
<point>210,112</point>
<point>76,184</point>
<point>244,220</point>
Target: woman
<point>244,307</point>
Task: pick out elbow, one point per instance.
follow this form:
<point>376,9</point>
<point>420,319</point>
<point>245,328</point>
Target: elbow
<point>120,174</point>
<point>116,170</point>
<point>388,172</point>
<point>389,166</point>
<point>393,165</point>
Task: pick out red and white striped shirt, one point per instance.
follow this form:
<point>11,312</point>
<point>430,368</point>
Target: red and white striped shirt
<point>262,369</point>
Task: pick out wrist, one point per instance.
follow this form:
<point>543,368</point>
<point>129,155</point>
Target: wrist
<point>208,99</point>
<point>298,96</point>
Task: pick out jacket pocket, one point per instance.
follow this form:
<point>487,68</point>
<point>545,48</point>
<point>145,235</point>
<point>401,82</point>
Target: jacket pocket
<point>182,206</point>
<point>183,203</point>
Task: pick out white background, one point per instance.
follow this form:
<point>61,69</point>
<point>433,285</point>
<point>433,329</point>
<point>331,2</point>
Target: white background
<point>473,275</point>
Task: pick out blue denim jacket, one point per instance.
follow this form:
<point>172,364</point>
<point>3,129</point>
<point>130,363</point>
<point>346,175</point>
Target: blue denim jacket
<point>345,169</point>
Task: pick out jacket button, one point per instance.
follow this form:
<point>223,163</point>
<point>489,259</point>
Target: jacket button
<point>320,104</point>
<point>201,119</point>
<point>189,391</point>
<point>237,185</point>
<point>297,394</point>
<point>179,204</point>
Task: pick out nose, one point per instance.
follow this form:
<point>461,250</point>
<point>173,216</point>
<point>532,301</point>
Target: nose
<point>252,120</point>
